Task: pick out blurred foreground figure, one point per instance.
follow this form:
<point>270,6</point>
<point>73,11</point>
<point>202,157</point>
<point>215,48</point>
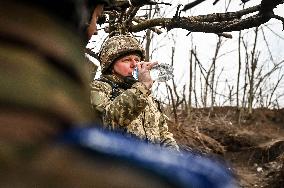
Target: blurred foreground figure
<point>44,96</point>
<point>44,87</point>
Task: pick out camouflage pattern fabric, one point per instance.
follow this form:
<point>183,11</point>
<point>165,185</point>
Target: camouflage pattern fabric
<point>116,47</point>
<point>43,88</point>
<point>134,110</point>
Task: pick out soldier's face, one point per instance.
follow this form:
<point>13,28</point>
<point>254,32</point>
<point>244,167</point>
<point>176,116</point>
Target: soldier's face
<point>92,29</point>
<point>125,65</point>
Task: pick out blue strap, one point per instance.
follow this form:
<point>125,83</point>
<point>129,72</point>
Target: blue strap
<point>180,168</point>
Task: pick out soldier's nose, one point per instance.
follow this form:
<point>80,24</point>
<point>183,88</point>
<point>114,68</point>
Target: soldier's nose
<point>132,67</point>
<point>133,64</point>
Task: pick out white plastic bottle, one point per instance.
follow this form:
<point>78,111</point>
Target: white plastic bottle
<point>159,73</point>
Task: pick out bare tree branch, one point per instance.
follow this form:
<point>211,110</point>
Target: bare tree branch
<point>192,4</point>
<point>211,23</point>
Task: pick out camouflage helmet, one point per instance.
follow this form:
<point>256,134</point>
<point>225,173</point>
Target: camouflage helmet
<point>118,46</point>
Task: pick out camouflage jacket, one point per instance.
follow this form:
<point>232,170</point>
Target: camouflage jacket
<point>134,111</point>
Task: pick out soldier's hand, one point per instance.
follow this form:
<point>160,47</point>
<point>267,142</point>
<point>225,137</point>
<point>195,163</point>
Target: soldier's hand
<point>144,73</point>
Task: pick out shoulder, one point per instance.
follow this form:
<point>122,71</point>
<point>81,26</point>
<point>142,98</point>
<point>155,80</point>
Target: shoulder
<point>100,93</point>
<point>98,85</point>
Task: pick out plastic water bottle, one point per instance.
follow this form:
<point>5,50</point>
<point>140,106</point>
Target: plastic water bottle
<point>135,73</point>
<point>159,73</point>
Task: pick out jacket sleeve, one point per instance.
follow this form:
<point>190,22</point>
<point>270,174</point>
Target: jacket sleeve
<point>167,139</point>
<point>124,108</point>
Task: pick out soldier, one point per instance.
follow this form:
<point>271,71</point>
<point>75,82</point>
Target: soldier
<point>124,103</point>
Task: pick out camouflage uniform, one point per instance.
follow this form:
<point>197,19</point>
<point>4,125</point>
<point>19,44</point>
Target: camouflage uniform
<point>134,110</point>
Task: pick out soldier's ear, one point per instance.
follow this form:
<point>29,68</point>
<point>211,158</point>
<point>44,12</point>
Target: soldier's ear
<point>110,70</point>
